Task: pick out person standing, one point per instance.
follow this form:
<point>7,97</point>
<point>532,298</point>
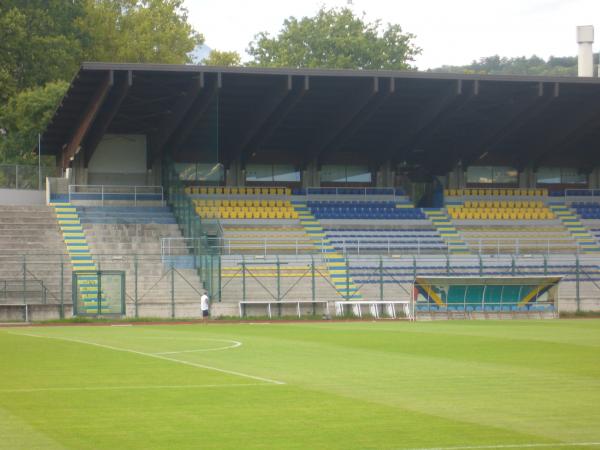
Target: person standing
<point>205,305</point>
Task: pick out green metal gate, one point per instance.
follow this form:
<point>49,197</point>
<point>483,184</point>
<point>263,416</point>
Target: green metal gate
<point>99,293</point>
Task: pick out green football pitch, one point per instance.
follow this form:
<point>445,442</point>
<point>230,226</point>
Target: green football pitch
<point>384,385</point>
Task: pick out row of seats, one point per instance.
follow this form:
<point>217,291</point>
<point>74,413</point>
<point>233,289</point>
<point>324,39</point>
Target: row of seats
<point>230,190</point>
<point>367,212</point>
<point>244,203</point>
<point>348,191</point>
<point>494,192</point>
<point>246,213</point>
<point>350,204</point>
<point>500,214</point>
<point>503,204</point>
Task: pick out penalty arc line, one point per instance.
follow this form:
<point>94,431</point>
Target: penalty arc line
<point>235,344</point>
<point>508,446</point>
<point>153,355</point>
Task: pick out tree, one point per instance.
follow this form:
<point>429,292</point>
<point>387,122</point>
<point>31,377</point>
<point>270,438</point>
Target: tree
<point>24,116</point>
<point>43,42</point>
<point>149,31</point>
<point>38,43</point>
<point>334,38</point>
<point>497,65</point>
<point>223,59</point>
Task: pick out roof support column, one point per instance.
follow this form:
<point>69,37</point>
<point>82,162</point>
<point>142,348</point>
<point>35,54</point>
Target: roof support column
<point>311,174</point>
<point>457,177</point>
<point>527,177</point>
<point>385,175</point>
<point>234,174</point>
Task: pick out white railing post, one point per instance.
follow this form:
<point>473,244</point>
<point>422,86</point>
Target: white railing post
<point>102,194</point>
<point>135,196</point>
<point>70,193</point>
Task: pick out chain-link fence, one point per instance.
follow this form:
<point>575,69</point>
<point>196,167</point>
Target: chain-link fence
<point>17,176</point>
<point>154,287</point>
<point>170,286</point>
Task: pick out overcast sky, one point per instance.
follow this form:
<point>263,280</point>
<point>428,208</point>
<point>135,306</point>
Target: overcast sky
<point>449,31</point>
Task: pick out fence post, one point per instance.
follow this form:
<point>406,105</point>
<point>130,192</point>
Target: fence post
<point>380,278</point>
<point>312,282</point>
<point>278,266</point>
<point>512,265</point>
<point>99,296</point>
<point>577,277</point>
<point>135,267</point>
<point>16,176</point>
<point>172,291</point>
<point>24,279</point>
<point>347,278</point>
<point>243,280</point>
<point>545,265</point>
<point>62,288</point>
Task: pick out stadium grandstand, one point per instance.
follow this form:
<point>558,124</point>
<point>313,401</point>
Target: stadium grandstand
<point>284,192</point>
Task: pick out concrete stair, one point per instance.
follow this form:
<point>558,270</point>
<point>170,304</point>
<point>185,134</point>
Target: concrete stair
<point>441,221</point>
<point>31,251</point>
<point>336,262</point>
<point>131,243</point>
<point>586,242</point>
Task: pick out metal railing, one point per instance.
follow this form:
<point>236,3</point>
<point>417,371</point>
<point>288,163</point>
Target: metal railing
<point>589,194</point>
<point>18,176</point>
<point>367,193</point>
<point>371,246</point>
<point>104,193</point>
<point>231,246</point>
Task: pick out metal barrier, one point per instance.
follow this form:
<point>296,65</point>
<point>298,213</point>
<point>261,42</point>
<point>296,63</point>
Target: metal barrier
<point>104,193</point>
<point>367,193</point>
<point>587,194</point>
<point>156,286</point>
<point>18,176</point>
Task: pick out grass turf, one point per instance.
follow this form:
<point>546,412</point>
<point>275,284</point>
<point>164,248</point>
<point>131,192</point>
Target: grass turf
<point>347,385</point>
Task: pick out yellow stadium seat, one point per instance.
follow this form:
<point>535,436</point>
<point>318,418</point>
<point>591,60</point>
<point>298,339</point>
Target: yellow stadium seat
<point>272,191</point>
<point>468,203</point>
<point>496,204</point>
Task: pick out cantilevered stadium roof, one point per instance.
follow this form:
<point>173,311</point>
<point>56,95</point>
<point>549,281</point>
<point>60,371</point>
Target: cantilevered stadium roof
<point>299,115</point>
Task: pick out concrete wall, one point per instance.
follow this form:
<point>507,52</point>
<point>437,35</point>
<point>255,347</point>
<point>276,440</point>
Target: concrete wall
<point>22,197</point>
<point>119,159</point>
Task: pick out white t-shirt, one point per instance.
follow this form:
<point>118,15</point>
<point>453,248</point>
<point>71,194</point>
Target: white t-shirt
<point>204,302</point>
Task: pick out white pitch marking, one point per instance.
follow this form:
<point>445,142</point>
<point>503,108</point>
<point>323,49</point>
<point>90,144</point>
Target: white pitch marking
<point>491,447</point>
<point>234,344</point>
<point>119,388</point>
<point>152,355</point>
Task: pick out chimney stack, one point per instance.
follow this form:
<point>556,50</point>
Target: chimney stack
<point>585,60</point>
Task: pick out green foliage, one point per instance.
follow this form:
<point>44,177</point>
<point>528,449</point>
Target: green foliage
<point>497,65</point>
<point>37,43</point>
<point>337,39</point>
<point>223,59</point>
<point>24,116</point>
<point>141,31</point>
<point>43,42</point>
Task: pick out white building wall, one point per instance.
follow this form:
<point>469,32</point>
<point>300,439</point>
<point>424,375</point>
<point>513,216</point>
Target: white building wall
<point>119,159</point>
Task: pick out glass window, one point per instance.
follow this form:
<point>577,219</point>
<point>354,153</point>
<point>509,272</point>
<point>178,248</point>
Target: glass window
<point>212,173</point>
<point>332,173</point>
<point>548,175</point>
<point>259,172</point>
<point>269,173</point>
<point>505,175</point>
<point>492,174</point>
<point>286,173</point>
<point>479,174</point>
<point>560,175</point>
<point>572,176</point>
